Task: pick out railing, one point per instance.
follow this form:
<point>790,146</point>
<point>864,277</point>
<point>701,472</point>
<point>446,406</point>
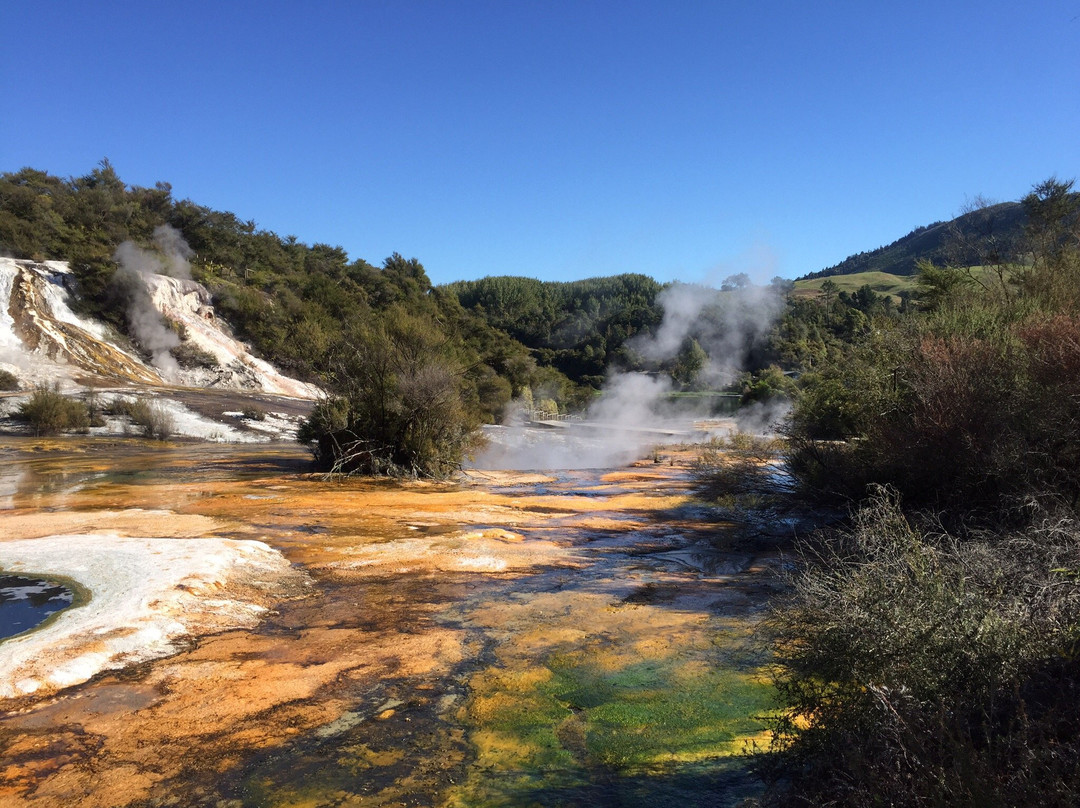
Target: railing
<point>548,415</point>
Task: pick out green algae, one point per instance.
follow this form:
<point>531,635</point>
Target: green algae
<point>582,726</point>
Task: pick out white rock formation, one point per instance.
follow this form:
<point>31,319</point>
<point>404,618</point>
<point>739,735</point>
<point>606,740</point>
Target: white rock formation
<point>147,596</point>
<point>43,341</point>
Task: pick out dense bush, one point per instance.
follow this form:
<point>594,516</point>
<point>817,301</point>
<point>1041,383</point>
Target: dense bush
<point>48,411</point>
<point>293,302</point>
<point>937,661</point>
<point>922,668</point>
<point>399,404</point>
<point>970,405</point>
<point>8,380</point>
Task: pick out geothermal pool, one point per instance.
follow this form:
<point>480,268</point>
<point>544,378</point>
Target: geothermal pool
<point>26,602</point>
<point>578,638</point>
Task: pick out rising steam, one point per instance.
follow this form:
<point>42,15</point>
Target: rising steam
<point>632,413</point>
<point>148,327</point>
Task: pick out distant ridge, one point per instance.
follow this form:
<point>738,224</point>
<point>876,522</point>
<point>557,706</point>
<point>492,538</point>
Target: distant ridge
<point>966,240</point>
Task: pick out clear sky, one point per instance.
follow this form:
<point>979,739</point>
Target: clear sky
<point>553,139</point>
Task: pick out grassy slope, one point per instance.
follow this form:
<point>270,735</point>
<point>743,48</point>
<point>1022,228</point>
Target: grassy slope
<point>880,282</point>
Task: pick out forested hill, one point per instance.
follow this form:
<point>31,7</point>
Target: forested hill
<point>302,307</point>
<point>579,327</point>
<point>967,240</point>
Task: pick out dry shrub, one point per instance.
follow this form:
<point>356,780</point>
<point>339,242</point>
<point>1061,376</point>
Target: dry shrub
<point>975,423</point>
<point>738,465</point>
<point>953,437</point>
<point>152,418</point>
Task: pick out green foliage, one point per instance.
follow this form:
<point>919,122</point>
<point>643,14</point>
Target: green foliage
<point>400,403</point>
<point>579,328</point>
<point>927,662</point>
<point>986,229</point>
<point>689,362</point>
<point>969,402</point>
<point>8,380</point>
<point>921,669</point>
<point>767,384</point>
<point>48,411</point>
<point>294,303</point>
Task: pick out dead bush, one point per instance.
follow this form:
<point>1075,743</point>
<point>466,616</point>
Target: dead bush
<point>151,417</point>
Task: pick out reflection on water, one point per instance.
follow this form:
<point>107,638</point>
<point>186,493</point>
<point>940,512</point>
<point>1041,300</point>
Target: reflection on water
<point>48,472</point>
<point>27,602</point>
<point>615,668</point>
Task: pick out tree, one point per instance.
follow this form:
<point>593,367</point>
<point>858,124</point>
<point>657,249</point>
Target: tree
<point>689,362</point>
<point>398,406</point>
<point>733,283</point>
<point>828,292</point>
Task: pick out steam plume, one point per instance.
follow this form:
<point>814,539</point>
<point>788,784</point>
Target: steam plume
<point>135,264</point>
<point>632,411</point>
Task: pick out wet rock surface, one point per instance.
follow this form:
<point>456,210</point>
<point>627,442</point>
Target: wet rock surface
<point>583,639</point>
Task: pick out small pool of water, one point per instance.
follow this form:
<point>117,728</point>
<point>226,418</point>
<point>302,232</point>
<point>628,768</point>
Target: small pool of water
<point>28,601</point>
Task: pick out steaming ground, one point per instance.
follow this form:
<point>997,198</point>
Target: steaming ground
<point>44,342</point>
<point>634,414</point>
<point>591,444</point>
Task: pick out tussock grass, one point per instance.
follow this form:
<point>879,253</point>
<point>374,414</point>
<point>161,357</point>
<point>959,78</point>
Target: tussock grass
<point>48,411</point>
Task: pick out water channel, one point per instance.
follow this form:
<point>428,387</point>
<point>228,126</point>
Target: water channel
<point>579,638</point>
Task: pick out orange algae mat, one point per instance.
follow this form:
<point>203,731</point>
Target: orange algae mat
<point>503,639</point>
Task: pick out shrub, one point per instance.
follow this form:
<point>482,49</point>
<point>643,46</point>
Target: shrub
<point>158,423</point>
<point>738,465</point>
<point>922,669</point>
<point>399,407</point>
<point>48,411</point>
<point>94,408</point>
<point>151,417</point>
<point>253,412</point>
<point>766,385</point>
<point>188,355</point>
<point>8,380</point>
<point>967,419</point>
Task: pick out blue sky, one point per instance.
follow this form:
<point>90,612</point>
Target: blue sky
<point>559,140</point>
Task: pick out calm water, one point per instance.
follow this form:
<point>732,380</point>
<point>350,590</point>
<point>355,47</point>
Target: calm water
<point>26,602</point>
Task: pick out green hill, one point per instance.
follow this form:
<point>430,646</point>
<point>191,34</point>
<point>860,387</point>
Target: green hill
<point>881,282</point>
<point>969,239</point>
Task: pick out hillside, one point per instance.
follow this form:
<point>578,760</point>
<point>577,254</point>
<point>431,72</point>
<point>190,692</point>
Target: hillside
<point>45,343</point>
<point>966,240</point>
<point>579,327</point>
<point>302,308</point>
<point>881,282</point>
